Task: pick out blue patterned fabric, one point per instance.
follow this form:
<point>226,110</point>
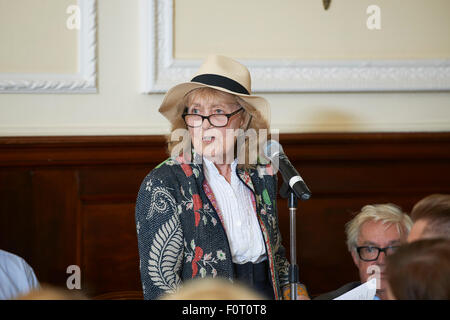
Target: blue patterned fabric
<point>180,235</point>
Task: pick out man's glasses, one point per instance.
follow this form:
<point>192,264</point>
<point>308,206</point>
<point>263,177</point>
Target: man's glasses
<point>217,120</point>
<point>367,253</point>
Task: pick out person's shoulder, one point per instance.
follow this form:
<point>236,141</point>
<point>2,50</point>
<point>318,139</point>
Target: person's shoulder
<point>16,275</point>
<point>168,173</point>
<point>165,169</point>
<point>13,263</point>
<point>10,258</point>
<point>338,292</point>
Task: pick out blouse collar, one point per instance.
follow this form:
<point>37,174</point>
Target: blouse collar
<point>212,169</point>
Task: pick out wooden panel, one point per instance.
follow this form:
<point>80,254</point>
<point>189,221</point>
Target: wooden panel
<point>16,223</point>
<point>112,183</point>
<point>367,146</point>
<point>109,249</point>
<point>70,200</point>
<point>81,151</point>
<point>356,178</point>
<point>56,206</point>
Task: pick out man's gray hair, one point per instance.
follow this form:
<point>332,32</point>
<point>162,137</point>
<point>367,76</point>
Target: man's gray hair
<point>387,213</point>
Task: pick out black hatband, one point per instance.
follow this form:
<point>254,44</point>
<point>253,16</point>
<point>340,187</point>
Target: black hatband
<point>220,81</point>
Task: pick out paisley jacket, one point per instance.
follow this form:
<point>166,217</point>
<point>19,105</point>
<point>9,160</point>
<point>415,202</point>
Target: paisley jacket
<point>180,233</point>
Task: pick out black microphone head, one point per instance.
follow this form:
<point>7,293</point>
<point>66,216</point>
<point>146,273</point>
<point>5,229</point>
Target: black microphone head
<point>272,149</point>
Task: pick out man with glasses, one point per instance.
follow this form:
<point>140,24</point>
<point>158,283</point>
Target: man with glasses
<point>374,233</point>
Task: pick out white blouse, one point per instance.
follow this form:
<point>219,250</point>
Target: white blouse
<point>239,217</point>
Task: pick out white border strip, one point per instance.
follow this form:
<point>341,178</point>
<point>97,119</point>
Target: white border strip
<point>84,81</point>
<point>161,71</point>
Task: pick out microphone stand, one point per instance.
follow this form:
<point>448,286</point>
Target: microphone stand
<point>293,187</point>
<point>293,268</point>
<point>287,192</point>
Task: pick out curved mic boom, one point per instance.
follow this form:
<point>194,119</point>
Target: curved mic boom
<point>274,152</point>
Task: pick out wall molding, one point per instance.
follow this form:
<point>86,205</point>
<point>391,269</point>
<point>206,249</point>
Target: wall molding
<point>90,150</point>
<point>84,81</point>
<point>162,70</point>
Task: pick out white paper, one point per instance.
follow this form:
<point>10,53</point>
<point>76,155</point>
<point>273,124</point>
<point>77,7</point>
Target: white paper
<point>366,291</point>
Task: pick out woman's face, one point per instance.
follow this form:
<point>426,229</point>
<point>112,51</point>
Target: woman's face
<point>215,143</point>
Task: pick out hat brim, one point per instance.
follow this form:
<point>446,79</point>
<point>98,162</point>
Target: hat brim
<point>171,109</point>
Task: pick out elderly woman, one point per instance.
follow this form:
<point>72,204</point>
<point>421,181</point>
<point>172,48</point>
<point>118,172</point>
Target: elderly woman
<point>209,210</point>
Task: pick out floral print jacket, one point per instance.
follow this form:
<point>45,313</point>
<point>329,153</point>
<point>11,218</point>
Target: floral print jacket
<point>180,234</point>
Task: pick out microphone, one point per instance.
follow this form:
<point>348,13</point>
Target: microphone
<point>274,152</point>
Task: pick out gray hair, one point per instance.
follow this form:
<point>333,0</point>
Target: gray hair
<point>386,213</point>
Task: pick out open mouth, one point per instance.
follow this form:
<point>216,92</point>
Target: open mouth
<point>208,139</point>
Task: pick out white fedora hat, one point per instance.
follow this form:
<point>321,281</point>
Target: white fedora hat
<point>220,73</point>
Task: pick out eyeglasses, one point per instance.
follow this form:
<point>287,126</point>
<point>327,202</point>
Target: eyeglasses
<point>217,120</point>
<point>371,253</point>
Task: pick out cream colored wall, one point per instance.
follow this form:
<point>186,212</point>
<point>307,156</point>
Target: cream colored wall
<point>296,29</point>
<point>27,25</point>
<point>118,107</point>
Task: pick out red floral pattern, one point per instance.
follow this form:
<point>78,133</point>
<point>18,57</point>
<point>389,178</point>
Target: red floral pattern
<point>187,169</point>
<point>197,206</point>
<point>213,200</point>
<point>197,202</point>
<point>198,255</point>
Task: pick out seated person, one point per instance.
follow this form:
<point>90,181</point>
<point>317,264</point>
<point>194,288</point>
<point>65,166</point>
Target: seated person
<point>377,231</point>
<point>51,292</point>
<point>431,217</point>
<point>420,270</point>
<point>213,289</point>
<point>16,276</point>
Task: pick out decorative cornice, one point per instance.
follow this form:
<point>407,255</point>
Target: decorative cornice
<point>162,70</point>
